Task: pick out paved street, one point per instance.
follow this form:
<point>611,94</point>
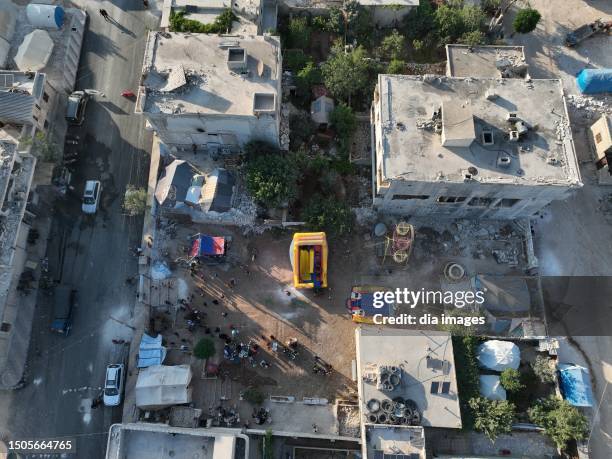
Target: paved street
<point>90,253</point>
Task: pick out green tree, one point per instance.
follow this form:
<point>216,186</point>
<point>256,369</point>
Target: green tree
<point>253,396</point>
<point>309,76</point>
<point>468,383</point>
<point>43,147</point>
<point>473,38</point>
<point>335,22</point>
<point>134,201</point>
<point>544,369</point>
<point>301,129</point>
<point>272,179</point>
<point>511,380</point>
<point>299,32</point>
<point>345,73</point>
<point>561,421</point>
<point>392,46</point>
<point>420,21</point>
<point>344,121</point>
<point>396,66</point>
<point>204,349</point>
<point>449,22</point>
<point>526,20</point>
<point>492,417</point>
<point>329,215</point>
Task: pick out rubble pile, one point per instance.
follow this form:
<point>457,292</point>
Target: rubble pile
<point>589,108</point>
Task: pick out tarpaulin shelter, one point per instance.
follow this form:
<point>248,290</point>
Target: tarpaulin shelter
<point>172,187</point>
<point>594,81</point>
<point>491,388</point>
<point>575,384</point>
<point>498,355</point>
<point>35,51</point>
<point>160,386</point>
<point>151,352</point>
<point>207,246</point>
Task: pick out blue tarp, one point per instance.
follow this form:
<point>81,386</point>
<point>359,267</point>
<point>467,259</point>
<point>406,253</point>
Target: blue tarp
<point>594,81</point>
<point>151,351</point>
<point>575,384</point>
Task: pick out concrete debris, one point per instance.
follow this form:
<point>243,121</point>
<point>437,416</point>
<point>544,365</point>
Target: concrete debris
<point>588,107</point>
<point>364,216</point>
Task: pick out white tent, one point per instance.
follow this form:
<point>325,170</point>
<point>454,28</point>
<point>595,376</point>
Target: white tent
<point>498,355</point>
<point>159,386</point>
<point>35,51</point>
<point>491,388</point>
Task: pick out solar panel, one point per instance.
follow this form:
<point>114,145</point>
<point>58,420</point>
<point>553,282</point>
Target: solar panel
<point>445,387</point>
<point>434,387</point>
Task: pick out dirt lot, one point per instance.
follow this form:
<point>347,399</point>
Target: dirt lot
<point>252,291</point>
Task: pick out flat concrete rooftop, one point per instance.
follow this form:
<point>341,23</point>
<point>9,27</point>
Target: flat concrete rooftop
<point>423,357</point>
<point>412,148</point>
<point>189,73</point>
<point>409,441</point>
<point>483,61</point>
<point>145,440</point>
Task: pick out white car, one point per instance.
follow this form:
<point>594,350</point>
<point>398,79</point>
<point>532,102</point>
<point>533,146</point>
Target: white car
<point>91,196</point>
<point>113,385</point>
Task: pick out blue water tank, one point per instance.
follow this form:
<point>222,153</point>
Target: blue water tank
<point>594,81</point>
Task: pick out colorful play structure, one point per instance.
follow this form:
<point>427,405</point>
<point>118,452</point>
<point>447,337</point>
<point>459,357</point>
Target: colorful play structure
<point>308,255</point>
<point>361,307</point>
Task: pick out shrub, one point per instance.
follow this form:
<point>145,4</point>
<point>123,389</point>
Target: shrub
<point>392,46</point>
<point>267,445</point>
<point>526,20</point>
<point>253,396</point>
<point>256,148</point>
<point>396,66</point>
<point>561,421</point>
<point>543,369</point>
<point>204,349</point>
<point>307,77</point>
<point>329,215</point>
<point>299,32</point>
<point>493,417</point>
<point>467,375</point>
<point>511,380</point>
<point>335,22</point>
<point>134,201</point>
<point>221,24</point>
<point>420,21</point>
<point>473,38</point>
<point>295,59</point>
<point>301,129</point>
<point>272,179</point>
<point>344,121</point>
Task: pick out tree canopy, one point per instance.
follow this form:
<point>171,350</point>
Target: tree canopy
<point>345,73</point>
<point>526,20</point>
<point>562,422</point>
<point>272,179</point>
<point>492,417</point>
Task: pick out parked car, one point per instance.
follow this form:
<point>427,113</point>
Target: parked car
<point>64,300</point>
<point>75,110</point>
<point>91,196</point>
<point>113,385</point>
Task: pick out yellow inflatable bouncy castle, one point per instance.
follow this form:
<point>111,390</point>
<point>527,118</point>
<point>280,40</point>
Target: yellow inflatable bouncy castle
<point>308,254</point>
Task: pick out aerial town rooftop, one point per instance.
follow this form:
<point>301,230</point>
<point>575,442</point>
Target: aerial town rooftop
<point>441,129</point>
<point>485,61</point>
<point>210,74</point>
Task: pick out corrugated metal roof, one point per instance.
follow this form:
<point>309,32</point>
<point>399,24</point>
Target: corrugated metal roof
<point>16,107</point>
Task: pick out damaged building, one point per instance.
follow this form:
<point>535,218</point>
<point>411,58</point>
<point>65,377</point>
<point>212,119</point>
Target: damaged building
<point>211,92</point>
<point>486,61</point>
<point>469,147</point>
